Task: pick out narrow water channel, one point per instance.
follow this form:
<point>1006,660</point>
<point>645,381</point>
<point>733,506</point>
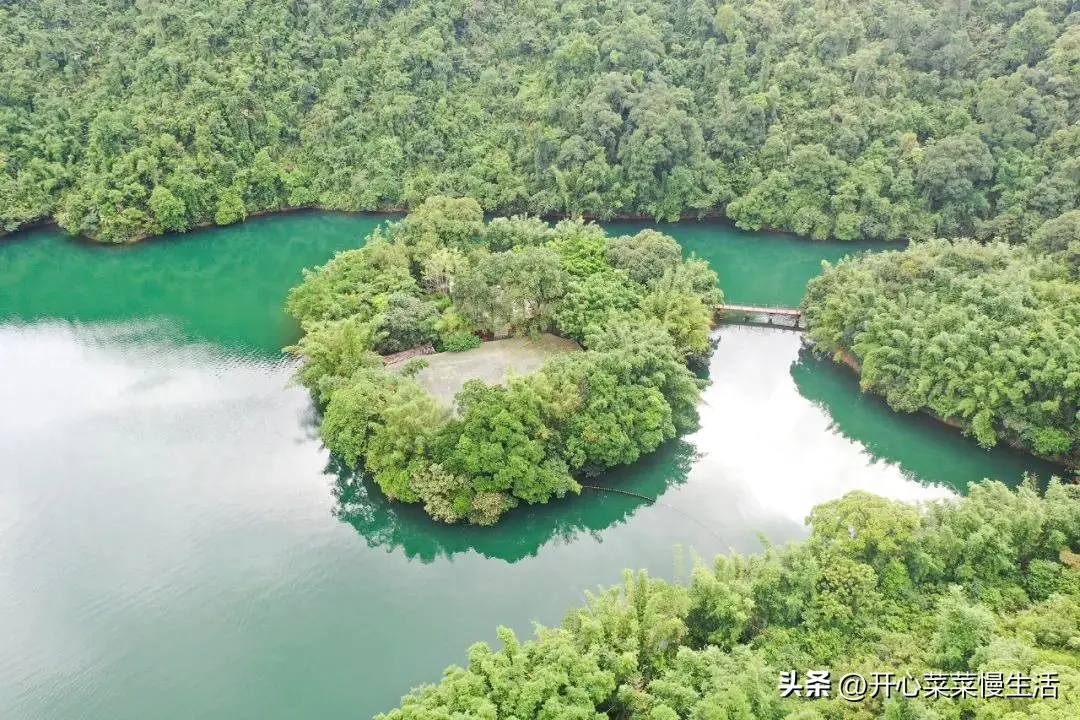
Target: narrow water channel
<point>174,542</point>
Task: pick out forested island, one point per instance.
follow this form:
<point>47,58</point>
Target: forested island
<point>878,119</point>
<point>445,276</point>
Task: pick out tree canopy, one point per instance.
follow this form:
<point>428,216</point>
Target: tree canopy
<point>985,335</point>
<point>443,275</point>
<point>862,119</point>
<point>879,587</point>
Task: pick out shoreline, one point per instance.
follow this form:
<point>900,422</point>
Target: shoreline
<point>710,215</point>
<point>1071,465</point>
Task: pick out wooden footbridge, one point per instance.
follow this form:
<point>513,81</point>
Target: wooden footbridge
<point>788,318</point>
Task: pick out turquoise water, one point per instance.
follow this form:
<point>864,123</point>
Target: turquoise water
<point>175,543</point>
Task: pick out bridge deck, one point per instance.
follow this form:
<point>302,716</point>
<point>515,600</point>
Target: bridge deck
<point>791,312</point>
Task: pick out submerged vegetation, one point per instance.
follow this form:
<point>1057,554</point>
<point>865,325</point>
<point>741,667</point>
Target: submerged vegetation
<point>989,583</point>
<point>984,335</point>
<point>875,119</point>
<point>442,275</point>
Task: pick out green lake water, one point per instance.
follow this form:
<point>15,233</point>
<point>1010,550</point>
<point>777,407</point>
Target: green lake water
<point>175,543</point>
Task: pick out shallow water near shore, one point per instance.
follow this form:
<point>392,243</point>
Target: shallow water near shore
<point>175,543</point>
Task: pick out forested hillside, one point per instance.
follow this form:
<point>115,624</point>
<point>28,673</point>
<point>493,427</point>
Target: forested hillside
<point>944,601</point>
<point>832,118</point>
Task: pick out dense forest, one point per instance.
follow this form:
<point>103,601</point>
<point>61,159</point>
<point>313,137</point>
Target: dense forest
<point>984,335</point>
<point>845,119</point>
<point>985,584</point>
<point>445,276</point>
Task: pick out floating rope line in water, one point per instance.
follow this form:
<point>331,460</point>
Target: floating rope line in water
<point>654,501</point>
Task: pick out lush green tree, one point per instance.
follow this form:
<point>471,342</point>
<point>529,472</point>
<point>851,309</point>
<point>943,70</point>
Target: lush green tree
<point>645,256</point>
<point>230,209</point>
<point>882,119</point>
<point>601,419</point>
<point>398,448</point>
<point>982,335</point>
<point>354,283</point>
<point>459,342</point>
<point>581,246</point>
<point>684,316</point>
<point>641,352</point>
<point>1061,237</point>
<point>693,276</point>
<point>594,300</point>
<point>716,646</point>
<point>1030,37</point>
<point>442,267</point>
<point>512,292</point>
<point>503,444</point>
<point>352,414</point>
<point>451,323</point>
<point>333,350</point>
<point>502,234</point>
<point>865,528</point>
<point>440,222</point>
<point>951,173</point>
<point>451,498</point>
<point>627,393</point>
<point>962,629</point>
<point>405,322</point>
<point>168,210</point>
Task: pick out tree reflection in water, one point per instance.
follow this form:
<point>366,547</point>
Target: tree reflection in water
<point>523,531</point>
<point>927,451</point>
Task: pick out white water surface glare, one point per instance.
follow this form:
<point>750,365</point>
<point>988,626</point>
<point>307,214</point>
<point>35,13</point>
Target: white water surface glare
<point>176,544</point>
<point>169,546</point>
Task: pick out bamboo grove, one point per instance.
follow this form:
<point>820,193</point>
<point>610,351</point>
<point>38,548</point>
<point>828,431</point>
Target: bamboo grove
<point>878,586</point>
<point>987,336</point>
